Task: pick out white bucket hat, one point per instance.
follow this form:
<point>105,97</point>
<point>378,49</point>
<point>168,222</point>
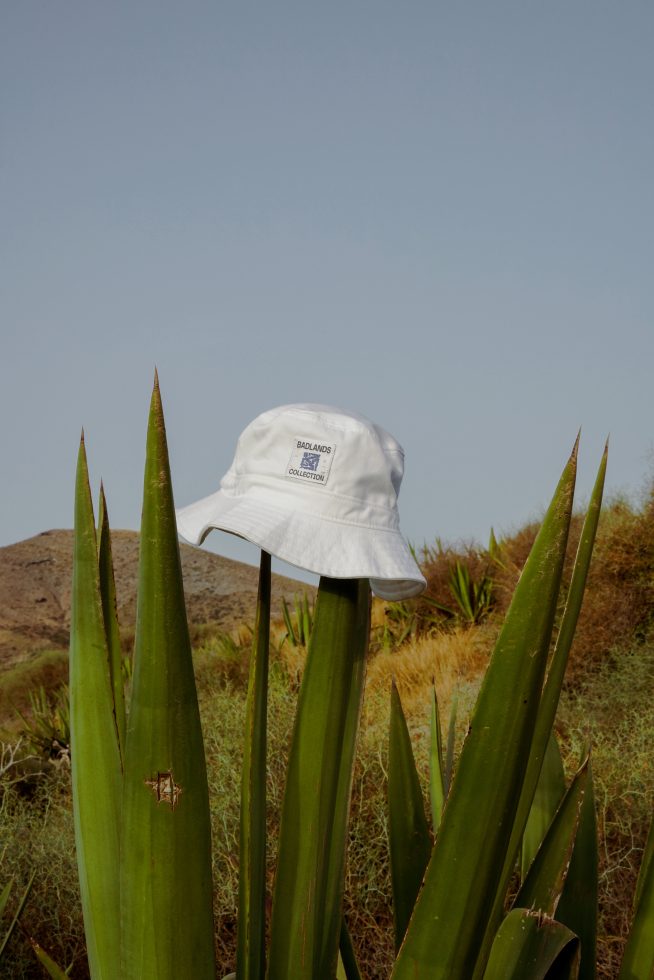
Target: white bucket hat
<point>317,487</point>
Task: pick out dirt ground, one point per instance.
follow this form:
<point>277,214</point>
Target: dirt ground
<point>35,590</point>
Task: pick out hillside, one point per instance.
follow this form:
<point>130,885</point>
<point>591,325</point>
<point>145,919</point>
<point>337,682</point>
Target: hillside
<point>35,587</point>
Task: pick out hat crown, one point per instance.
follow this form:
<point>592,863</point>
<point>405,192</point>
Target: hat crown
<point>318,451</point>
<point>316,486</point>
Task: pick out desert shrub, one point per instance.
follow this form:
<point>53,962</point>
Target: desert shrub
<point>461,585</point>
<point>37,834</point>
<point>619,601</point>
<point>618,606</point>
<point>613,709</point>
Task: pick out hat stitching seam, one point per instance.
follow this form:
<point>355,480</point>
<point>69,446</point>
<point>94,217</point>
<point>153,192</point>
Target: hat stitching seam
<point>332,493</point>
<point>334,520</point>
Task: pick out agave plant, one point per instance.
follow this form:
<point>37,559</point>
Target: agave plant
<point>47,727</point>
<point>141,801</point>
<point>139,778</point>
<point>140,792</point>
<point>299,623</point>
<point>491,794</point>
<point>508,801</point>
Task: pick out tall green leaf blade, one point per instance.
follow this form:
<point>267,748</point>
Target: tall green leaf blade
<point>110,612</point>
<point>543,885</point>
<point>95,756</point>
<point>347,955</point>
<point>408,831</point>
<point>46,961</point>
<point>648,854</point>
<point>436,775</point>
<point>306,915</point>
<point>166,893</point>
<point>290,632</point>
<point>549,793</point>
<point>250,947</point>
<point>442,940</point>
<point>638,957</point>
<point>577,908</point>
<point>548,703</point>
<point>335,854</point>
<point>460,586</point>
<point>4,897</point>
<point>449,749</point>
<point>529,945</point>
<point>306,620</point>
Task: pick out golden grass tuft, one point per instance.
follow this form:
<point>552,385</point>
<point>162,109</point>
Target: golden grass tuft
<point>445,659</point>
<point>47,669</point>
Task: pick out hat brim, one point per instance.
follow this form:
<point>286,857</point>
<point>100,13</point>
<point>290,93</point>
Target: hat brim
<point>331,548</point>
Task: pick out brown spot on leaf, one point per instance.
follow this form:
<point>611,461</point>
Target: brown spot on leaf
<point>165,789</point>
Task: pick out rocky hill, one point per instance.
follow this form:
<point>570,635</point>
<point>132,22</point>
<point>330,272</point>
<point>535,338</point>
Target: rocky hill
<point>35,587</point>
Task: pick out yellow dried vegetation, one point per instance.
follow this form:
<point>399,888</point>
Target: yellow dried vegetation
<point>446,659</point>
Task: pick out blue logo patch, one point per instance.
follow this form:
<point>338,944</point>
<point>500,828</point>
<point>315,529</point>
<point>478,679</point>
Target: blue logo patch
<point>310,461</point>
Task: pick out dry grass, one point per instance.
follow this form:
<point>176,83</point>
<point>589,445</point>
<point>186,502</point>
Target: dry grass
<point>443,659</point>
<point>613,706</point>
<point>48,669</point>
<point>37,834</point>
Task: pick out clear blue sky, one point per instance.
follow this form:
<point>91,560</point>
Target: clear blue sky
<point>437,214</point>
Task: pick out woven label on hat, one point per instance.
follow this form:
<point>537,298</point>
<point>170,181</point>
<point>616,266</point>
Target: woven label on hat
<point>310,461</point>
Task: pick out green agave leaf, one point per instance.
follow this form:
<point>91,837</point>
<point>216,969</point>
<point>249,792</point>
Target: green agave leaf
<point>250,947</point>
<point>347,957</point>
<point>306,915</point>
<point>108,596</point>
<point>460,586</point>
<point>290,632</point>
<point>543,885</point>
<point>436,775</point>
<point>48,963</point>
<point>4,898</point>
<point>337,844</point>
<point>166,887</point>
<point>549,793</point>
<point>408,831</point>
<point>548,704</point>
<point>648,853</point>
<point>577,908</point>
<point>638,957</point>
<point>306,620</point>
<point>451,914</point>
<point>532,945</point>
<point>449,750</point>
<point>95,756</point>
